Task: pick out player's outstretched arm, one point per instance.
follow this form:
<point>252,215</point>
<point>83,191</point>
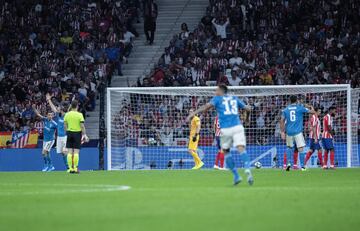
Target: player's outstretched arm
<point>73,98</point>
<point>282,128</point>
<point>310,108</point>
<point>52,106</point>
<point>37,113</point>
<point>248,108</point>
<point>203,108</point>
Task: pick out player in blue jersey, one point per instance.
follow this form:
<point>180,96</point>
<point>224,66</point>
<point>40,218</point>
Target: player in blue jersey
<point>232,131</point>
<point>292,126</point>
<point>61,134</point>
<point>49,138</point>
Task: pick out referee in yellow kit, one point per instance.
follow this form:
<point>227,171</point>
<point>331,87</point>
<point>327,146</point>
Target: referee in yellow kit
<point>75,130</point>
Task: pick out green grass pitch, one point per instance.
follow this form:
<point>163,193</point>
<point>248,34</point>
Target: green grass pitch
<point>180,200</point>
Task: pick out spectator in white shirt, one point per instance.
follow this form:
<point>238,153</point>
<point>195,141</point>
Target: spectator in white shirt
<point>210,50</point>
<point>128,37</point>
<point>82,89</point>
<point>220,27</point>
<point>233,80</point>
<point>236,60</point>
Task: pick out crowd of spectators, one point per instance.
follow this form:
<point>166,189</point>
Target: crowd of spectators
<point>243,42</point>
<point>160,119</point>
<point>67,48</point>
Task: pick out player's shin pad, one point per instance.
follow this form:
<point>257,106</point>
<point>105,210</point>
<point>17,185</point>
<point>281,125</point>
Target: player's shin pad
<point>246,158</point>
<point>70,161</point>
<point>289,155</point>
<point>230,163</point>
<point>302,159</point>
<point>196,157</point>
<point>76,160</point>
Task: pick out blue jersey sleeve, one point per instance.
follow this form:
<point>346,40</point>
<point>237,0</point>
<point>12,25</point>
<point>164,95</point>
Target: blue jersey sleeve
<point>304,109</point>
<point>283,114</point>
<point>54,124</point>
<point>56,118</point>
<point>240,103</point>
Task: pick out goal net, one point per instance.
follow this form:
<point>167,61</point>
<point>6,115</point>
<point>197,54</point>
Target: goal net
<point>146,127</point>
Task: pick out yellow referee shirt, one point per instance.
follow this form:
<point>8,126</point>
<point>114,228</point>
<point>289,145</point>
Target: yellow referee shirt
<point>73,120</point>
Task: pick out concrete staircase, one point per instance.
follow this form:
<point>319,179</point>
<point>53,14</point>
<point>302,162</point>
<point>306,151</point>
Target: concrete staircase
<point>172,13</point>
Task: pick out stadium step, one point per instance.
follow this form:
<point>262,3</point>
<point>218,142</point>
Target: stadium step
<point>143,57</point>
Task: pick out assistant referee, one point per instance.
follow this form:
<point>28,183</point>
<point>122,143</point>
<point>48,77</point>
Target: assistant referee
<point>75,130</point>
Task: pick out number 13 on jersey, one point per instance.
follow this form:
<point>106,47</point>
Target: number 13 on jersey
<point>231,107</point>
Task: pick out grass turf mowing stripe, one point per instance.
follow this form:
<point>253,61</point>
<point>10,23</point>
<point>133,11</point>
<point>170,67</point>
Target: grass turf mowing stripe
<point>183,200</point>
<point>19,189</point>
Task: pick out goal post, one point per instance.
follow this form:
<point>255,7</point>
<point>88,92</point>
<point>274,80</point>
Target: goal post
<point>146,127</point>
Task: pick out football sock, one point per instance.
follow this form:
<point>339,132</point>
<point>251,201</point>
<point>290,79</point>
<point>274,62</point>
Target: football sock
<point>221,157</point>
<point>285,159</point>
<point>76,160</point>
<point>217,159</point>
<point>325,158</point>
<point>296,155</point>
<point>45,160</point>
<point>332,158</point>
<point>302,159</point>
<point>65,161</point>
<point>289,155</point>
<point>70,161</point>
<point>246,158</point>
<point>308,155</point>
<point>230,163</point>
<point>196,157</point>
<point>320,157</point>
<point>49,159</point>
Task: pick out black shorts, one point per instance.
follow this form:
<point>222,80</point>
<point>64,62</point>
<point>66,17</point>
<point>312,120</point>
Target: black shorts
<point>73,140</point>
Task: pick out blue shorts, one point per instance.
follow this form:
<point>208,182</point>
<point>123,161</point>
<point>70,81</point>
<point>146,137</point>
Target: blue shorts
<point>218,144</point>
<point>328,143</point>
<point>314,146</point>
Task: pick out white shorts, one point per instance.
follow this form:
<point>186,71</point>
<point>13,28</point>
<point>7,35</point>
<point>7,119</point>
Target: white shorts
<point>297,139</point>
<point>48,145</point>
<point>60,144</point>
<point>234,136</point>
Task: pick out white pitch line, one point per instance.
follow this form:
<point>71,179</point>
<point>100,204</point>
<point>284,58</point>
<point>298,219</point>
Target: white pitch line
<point>85,188</point>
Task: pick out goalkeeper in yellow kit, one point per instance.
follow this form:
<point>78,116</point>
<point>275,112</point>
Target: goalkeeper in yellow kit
<point>195,126</point>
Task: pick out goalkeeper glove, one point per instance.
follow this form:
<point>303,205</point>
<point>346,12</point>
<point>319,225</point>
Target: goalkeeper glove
<point>195,138</point>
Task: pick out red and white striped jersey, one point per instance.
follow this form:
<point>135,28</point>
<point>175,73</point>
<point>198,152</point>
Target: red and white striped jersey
<point>217,127</point>
<point>315,122</point>
<point>327,126</point>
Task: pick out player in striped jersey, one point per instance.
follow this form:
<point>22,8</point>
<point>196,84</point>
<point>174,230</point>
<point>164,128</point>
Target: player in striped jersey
<point>314,137</point>
<point>219,161</point>
<point>328,138</point>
